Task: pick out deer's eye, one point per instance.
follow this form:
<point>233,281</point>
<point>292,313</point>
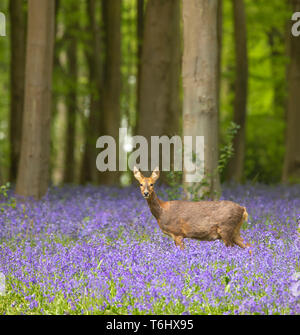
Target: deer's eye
<point>141,184</point>
<point>151,184</point>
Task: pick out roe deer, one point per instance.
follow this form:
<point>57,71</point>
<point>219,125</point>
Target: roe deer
<point>202,220</point>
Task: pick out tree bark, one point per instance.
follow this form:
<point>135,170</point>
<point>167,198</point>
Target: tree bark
<point>110,119</point>
<point>159,104</point>
<point>33,171</point>
<point>200,85</point>
<point>140,25</point>
<point>236,163</point>
<point>71,96</point>
<point>93,127</point>
<point>140,33</point>
<point>17,70</point>
<point>291,167</point>
<point>220,46</point>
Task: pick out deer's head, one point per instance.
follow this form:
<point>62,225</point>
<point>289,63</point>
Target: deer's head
<point>146,184</point>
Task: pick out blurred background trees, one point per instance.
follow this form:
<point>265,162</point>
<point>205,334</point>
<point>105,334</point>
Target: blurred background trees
<point>291,169</point>
<point>236,164</point>
<point>119,63</point>
<point>33,165</point>
<point>17,81</point>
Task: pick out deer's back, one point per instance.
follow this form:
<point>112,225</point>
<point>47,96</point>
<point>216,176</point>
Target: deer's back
<point>201,220</point>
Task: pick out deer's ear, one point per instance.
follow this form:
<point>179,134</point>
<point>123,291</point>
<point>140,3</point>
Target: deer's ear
<point>155,174</point>
<point>137,174</point>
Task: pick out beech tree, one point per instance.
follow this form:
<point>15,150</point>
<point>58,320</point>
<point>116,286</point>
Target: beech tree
<point>200,84</point>
<point>158,99</point>
<point>71,96</point>
<point>33,170</point>
<point>140,34</point>
<point>236,163</point>
<point>94,55</point>
<point>110,116</point>
<point>17,79</point>
<point>291,167</point>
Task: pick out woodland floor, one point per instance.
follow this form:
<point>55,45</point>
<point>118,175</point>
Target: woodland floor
<point>97,250</point>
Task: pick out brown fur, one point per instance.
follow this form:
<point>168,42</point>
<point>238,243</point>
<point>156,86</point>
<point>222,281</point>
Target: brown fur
<point>202,220</point>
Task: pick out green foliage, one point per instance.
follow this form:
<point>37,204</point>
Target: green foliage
<point>129,62</point>
<point>5,199</point>
<point>265,125</point>
<point>267,89</point>
<point>227,150</point>
<point>265,149</point>
<point>175,186</point>
<point>199,191</point>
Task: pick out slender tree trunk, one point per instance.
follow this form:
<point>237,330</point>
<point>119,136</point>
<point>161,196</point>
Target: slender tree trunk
<point>17,70</point>
<point>95,64</point>
<point>236,164</point>
<point>71,97</point>
<point>140,33</point>
<point>33,171</point>
<point>112,82</point>
<point>200,85</point>
<point>291,167</point>
<point>140,25</point>
<point>56,165</point>
<point>219,59</point>
<point>219,79</point>
<point>159,105</point>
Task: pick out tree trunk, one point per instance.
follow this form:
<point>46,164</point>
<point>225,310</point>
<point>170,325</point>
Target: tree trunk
<point>291,167</point>
<point>140,33</point>
<point>33,171</point>
<point>200,86</point>
<point>219,78</point>
<point>220,46</point>
<point>56,165</point>
<point>112,82</point>
<point>95,64</point>
<point>159,105</point>
<point>71,97</point>
<point>236,163</point>
<point>140,25</point>
<point>17,70</point>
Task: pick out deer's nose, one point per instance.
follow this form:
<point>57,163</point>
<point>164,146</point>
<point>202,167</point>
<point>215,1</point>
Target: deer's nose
<point>146,194</point>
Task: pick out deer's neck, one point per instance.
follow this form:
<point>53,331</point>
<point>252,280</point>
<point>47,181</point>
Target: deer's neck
<point>154,205</point>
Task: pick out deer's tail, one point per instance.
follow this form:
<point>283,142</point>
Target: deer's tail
<point>245,215</point>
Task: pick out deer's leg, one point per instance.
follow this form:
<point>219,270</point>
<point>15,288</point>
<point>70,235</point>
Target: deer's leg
<point>179,241</point>
<point>228,243</point>
<point>239,241</point>
<point>226,237</point>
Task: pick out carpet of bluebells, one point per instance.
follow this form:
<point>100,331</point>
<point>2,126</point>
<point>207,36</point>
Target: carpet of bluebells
<point>97,250</point>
